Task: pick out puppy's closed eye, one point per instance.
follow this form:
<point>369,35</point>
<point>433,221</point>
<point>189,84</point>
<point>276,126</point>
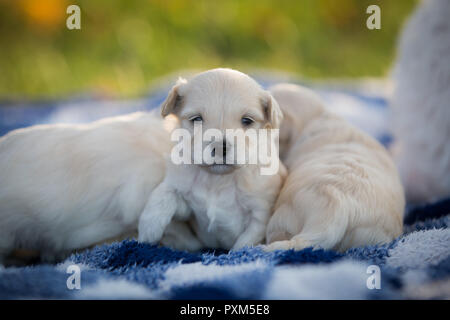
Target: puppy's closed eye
<point>196,118</point>
<point>247,121</point>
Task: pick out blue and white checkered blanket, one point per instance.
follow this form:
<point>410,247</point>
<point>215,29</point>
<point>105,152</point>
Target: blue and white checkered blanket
<point>415,265</point>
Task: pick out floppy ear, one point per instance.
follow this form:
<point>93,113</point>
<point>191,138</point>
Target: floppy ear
<point>272,111</point>
<point>174,100</point>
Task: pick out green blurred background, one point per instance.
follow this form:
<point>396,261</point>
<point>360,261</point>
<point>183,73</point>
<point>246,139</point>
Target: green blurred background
<point>125,46</point>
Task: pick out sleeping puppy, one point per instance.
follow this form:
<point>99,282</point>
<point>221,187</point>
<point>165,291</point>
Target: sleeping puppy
<point>66,187</point>
<point>215,204</point>
<point>342,190</point>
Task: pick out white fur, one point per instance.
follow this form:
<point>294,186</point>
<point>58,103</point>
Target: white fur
<point>342,189</point>
<point>226,208</point>
<point>66,187</point>
<point>421,103</point>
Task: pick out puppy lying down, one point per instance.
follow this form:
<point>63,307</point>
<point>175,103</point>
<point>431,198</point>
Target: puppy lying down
<point>215,205</point>
<point>342,190</point>
<point>66,187</point>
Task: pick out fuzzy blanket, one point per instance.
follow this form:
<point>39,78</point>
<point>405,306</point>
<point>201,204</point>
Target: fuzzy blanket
<point>416,265</point>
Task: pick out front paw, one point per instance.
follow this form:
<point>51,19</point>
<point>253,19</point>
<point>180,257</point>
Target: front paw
<point>297,243</point>
<point>53,257</point>
<point>149,234</point>
<point>277,245</point>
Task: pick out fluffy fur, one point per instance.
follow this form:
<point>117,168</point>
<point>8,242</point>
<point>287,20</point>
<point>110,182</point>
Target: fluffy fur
<point>199,205</point>
<point>342,189</point>
<point>66,187</point>
<point>421,103</point>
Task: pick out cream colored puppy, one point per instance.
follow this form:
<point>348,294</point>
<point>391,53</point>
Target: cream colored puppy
<point>66,187</point>
<point>216,205</point>
<point>342,190</point>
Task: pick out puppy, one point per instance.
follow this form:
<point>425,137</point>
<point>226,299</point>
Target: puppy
<point>215,205</point>
<point>342,190</point>
<point>65,187</point>
<point>421,103</point>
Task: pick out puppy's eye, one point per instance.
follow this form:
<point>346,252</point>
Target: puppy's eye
<point>246,121</point>
<point>196,118</point>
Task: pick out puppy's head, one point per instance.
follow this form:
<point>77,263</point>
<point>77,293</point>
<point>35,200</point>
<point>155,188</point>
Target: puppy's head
<point>221,99</point>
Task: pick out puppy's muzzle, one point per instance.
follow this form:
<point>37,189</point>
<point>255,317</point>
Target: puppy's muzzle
<point>221,149</point>
<point>220,164</point>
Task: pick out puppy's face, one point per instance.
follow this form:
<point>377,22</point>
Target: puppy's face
<point>217,101</point>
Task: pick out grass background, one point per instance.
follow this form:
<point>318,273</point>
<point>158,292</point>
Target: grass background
<point>126,45</point>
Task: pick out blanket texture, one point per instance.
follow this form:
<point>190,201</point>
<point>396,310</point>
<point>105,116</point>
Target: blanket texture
<point>415,265</point>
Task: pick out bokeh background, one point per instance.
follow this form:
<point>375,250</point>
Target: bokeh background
<point>125,46</point>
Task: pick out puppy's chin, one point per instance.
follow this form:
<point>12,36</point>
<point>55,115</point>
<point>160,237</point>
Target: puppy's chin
<point>219,168</point>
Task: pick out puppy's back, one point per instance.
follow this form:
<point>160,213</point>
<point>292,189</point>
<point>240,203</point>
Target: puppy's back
<point>299,105</point>
<point>57,179</point>
<point>342,190</point>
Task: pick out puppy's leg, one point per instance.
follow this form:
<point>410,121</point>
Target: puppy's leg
<point>162,206</point>
<point>296,243</point>
<point>254,233</point>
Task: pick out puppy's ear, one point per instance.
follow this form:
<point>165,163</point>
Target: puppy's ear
<point>174,100</point>
<point>272,111</point>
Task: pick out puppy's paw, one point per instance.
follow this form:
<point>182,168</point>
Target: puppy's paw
<point>278,245</point>
<point>294,243</point>
<point>147,238</point>
<point>149,235</point>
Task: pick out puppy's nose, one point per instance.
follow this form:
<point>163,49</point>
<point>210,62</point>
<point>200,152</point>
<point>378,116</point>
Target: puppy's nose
<point>224,149</point>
